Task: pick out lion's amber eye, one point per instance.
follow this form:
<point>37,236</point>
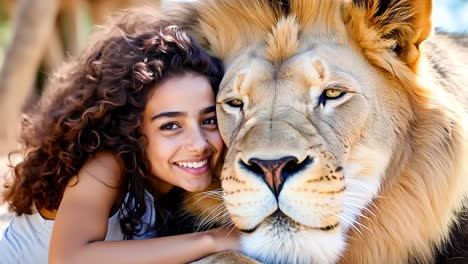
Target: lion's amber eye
<point>333,93</point>
<point>235,103</point>
<point>330,94</point>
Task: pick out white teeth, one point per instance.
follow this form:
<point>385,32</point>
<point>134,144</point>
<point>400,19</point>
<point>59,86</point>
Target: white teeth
<point>193,164</point>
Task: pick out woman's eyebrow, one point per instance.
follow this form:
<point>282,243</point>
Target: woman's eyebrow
<point>207,110</point>
<point>168,114</point>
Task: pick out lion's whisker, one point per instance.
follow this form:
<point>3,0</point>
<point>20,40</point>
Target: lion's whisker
<point>215,219</point>
<point>358,205</point>
<point>212,208</point>
<point>363,186</point>
<point>217,192</point>
<point>349,222</point>
<point>217,207</point>
<point>207,217</point>
<point>210,223</point>
<point>208,196</point>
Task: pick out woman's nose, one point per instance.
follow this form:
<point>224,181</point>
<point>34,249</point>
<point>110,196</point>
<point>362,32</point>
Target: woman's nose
<point>198,142</point>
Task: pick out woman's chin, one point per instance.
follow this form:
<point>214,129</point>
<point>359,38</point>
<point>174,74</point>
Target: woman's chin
<point>199,186</point>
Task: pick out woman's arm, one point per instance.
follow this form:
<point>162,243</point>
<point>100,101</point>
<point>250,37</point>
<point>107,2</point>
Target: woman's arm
<point>81,224</point>
<point>172,249</point>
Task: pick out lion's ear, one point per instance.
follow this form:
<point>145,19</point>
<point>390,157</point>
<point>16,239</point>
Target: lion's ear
<point>400,25</point>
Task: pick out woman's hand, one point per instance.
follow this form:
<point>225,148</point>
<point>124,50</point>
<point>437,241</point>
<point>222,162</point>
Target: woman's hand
<point>226,238</point>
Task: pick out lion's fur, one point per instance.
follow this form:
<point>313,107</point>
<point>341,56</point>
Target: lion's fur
<point>424,182</point>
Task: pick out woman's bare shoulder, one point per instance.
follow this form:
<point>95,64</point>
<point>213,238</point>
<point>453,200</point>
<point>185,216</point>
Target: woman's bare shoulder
<point>105,167</point>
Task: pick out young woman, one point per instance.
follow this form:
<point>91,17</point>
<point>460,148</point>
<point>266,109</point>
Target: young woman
<point>130,122</point>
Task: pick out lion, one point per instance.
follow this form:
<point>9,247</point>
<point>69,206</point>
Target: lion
<point>346,127</point>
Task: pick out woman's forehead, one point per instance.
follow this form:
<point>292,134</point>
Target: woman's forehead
<point>186,93</point>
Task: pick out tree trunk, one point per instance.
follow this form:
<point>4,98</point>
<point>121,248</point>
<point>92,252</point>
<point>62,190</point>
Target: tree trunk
<point>33,27</point>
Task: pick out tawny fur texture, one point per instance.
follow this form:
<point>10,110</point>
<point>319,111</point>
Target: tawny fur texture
<point>346,126</point>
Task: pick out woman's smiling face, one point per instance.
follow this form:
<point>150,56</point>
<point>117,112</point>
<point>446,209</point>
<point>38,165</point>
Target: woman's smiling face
<point>184,144</point>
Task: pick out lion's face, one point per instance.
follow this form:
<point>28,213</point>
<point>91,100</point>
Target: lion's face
<point>308,141</point>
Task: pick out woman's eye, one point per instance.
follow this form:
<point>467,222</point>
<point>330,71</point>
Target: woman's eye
<point>169,126</point>
<point>210,121</point>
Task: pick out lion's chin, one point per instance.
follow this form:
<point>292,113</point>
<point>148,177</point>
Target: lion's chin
<point>282,240</point>
<point>280,221</point>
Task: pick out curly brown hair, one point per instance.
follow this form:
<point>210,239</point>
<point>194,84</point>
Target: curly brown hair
<point>95,103</point>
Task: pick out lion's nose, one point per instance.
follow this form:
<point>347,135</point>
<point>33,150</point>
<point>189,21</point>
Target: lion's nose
<point>276,172</point>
